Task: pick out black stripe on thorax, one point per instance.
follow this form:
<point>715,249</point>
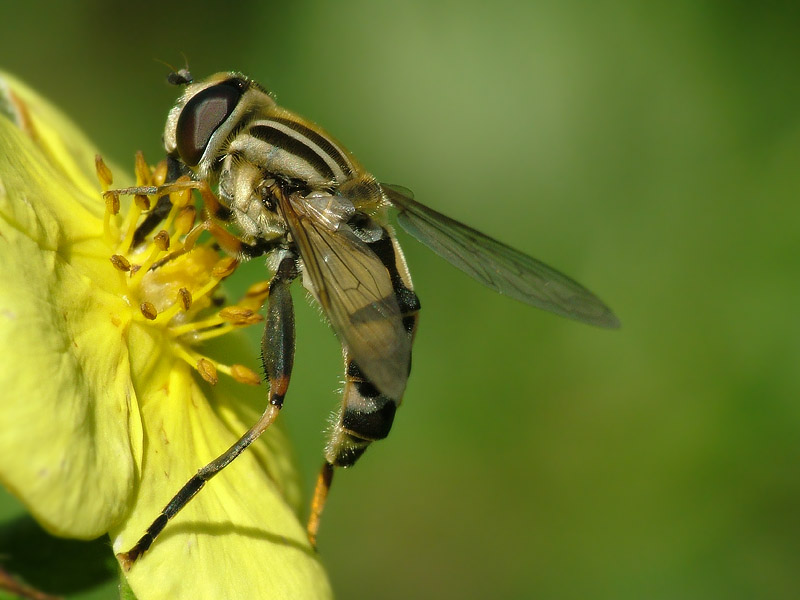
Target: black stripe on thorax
<point>321,141</point>
<point>296,147</point>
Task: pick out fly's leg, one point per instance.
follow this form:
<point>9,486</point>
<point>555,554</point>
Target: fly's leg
<point>163,205</point>
<point>366,416</point>
<point>212,204</point>
<point>217,213</point>
<point>324,480</point>
<point>278,358</point>
<point>232,244</point>
<point>277,345</point>
<point>176,181</point>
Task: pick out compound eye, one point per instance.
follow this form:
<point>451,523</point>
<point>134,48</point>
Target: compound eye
<point>200,118</point>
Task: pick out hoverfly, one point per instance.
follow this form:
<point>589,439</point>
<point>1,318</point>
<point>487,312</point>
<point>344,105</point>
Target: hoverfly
<point>298,197</point>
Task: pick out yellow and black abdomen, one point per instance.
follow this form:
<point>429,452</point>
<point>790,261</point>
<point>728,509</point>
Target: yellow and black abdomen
<point>367,414</point>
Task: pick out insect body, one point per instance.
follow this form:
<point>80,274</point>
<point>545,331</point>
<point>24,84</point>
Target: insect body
<point>298,197</point>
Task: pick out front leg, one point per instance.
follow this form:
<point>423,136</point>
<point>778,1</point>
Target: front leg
<point>218,213</point>
<point>175,169</point>
<point>236,246</point>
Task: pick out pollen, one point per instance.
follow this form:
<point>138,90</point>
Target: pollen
<point>170,275</point>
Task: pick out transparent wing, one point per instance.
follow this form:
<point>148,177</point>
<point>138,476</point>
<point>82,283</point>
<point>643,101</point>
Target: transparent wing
<point>356,293</point>
<point>498,266</point>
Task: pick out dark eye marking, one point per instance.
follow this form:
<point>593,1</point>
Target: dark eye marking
<point>201,116</point>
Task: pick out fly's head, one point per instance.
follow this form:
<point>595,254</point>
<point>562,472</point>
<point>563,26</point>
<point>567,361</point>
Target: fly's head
<point>206,115</point>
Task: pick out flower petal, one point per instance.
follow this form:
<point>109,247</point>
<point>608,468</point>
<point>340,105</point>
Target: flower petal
<point>101,421</point>
<point>238,538</point>
<point>67,410</point>
<point>64,147</point>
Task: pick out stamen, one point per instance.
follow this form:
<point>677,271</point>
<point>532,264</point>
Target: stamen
<point>120,262</point>
<point>211,333</point>
<point>110,229</point>
<point>165,316</point>
<point>103,173</point>
<point>184,222</point>
<point>143,174</point>
<point>182,197</point>
<point>238,315</point>
<point>131,220</point>
<point>244,375</point>
<point>161,240</point>
<point>255,296</point>
<point>173,298</point>
<point>192,236</point>
<point>225,268</point>
<point>160,173</point>
<point>208,371</point>
<point>163,243</point>
<point>185,298</point>
<point>112,203</point>
<point>142,201</point>
<point>148,310</point>
<point>241,314</point>
<point>155,252</point>
<point>174,200</point>
<point>209,286</point>
<point>260,289</point>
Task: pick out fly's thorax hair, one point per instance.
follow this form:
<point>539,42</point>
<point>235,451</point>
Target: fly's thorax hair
<point>241,188</point>
<point>366,195</point>
<point>337,154</point>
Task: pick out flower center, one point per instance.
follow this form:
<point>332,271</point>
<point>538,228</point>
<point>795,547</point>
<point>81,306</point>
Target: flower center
<point>170,279</point>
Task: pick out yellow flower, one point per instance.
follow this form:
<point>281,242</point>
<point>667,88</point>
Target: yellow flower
<point>104,413</point>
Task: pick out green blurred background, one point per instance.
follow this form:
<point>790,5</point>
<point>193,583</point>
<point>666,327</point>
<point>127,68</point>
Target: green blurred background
<point>650,150</point>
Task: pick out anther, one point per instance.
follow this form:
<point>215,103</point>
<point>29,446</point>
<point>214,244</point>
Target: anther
<point>258,289</point>
<point>103,172</point>
<point>148,310</point>
<point>224,268</point>
<point>185,298</point>
<point>112,202</point>
<point>191,238</point>
<point>160,173</point>
<point>240,316</point>
<point>207,371</point>
<point>185,220</point>
<point>142,170</point>
<point>120,262</point>
<point>181,198</point>
<point>161,240</point>
<point>142,201</point>
<point>244,375</point>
